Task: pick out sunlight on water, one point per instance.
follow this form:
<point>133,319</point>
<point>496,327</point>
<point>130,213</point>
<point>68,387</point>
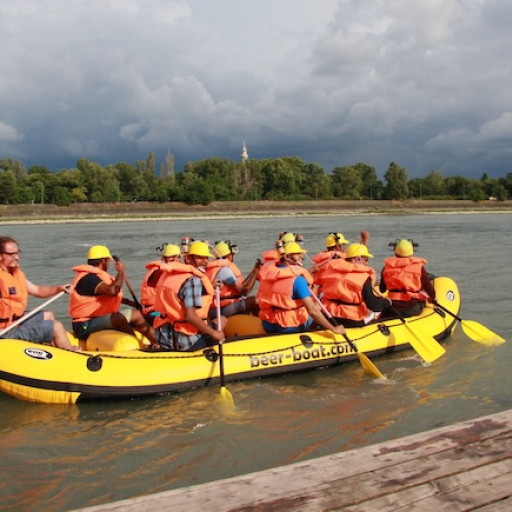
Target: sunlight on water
<point>62,457</point>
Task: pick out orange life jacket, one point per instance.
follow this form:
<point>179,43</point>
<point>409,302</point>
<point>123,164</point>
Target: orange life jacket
<point>275,295</point>
<point>228,294</point>
<point>85,307</point>
<point>341,283</point>
<point>271,256</point>
<point>147,291</point>
<point>324,256</point>
<point>13,296</point>
<point>170,305</point>
<point>402,277</point>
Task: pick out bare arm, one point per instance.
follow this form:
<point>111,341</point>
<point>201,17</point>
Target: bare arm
<point>114,288</point>
<point>365,237</point>
<point>194,319</point>
<point>319,318</point>
<point>44,291</point>
<point>248,284</point>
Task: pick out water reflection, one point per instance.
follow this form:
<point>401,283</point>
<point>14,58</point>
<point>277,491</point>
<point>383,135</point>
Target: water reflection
<point>63,457</point>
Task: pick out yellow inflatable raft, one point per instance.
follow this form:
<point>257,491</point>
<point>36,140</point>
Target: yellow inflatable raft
<point>114,365</point>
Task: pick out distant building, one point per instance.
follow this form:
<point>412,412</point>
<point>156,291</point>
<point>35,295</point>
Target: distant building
<point>245,154</point>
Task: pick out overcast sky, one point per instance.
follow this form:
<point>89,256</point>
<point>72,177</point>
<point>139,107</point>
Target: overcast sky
<point>424,83</point>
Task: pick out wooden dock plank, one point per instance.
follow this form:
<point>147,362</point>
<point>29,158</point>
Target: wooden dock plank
<point>459,467</point>
<point>496,506</point>
<point>459,492</point>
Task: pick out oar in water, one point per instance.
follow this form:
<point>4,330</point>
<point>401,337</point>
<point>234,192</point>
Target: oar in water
<point>475,330</point>
<point>363,359</point>
<point>225,395</point>
<point>31,313</point>
<point>427,347</point>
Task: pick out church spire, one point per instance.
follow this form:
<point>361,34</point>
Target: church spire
<point>245,154</point>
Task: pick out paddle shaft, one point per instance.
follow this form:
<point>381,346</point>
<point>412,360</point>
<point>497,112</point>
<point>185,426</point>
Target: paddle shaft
<point>333,321</point>
<point>129,286</point>
<point>446,310</point>
<point>363,359</point>
<point>221,353</point>
<point>31,313</point>
<point>474,330</point>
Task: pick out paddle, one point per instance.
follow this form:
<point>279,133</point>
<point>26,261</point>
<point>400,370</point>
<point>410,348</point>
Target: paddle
<point>31,313</point>
<point>225,395</point>
<point>474,330</point>
<point>428,348</point>
<point>363,359</point>
<point>138,305</point>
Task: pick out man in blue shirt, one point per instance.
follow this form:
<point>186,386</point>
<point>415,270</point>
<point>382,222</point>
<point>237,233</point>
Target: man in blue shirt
<point>285,299</point>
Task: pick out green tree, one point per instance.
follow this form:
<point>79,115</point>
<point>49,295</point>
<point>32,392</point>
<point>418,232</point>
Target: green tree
<point>17,167</point>
<point>195,190</point>
<point>434,185</point>
<point>252,180</point>
<point>63,196</point>
<point>8,186</point>
<point>316,183</point>
<point>506,182</point>
<point>221,175</point>
<point>396,182</point>
<point>347,182</point>
<point>280,180</point>
<point>371,186</point>
<point>458,186</point>
<point>130,181</point>
<point>499,191</point>
<point>101,184</point>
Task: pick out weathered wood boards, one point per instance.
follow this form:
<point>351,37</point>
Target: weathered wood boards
<point>467,466</point>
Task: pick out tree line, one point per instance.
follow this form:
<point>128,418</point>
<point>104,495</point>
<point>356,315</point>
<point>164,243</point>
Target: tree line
<point>219,179</point>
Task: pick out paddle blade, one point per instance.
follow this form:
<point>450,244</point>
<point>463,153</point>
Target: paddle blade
<point>369,366</point>
<point>227,399</point>
<point>480,333</point>
<point>427,347</point>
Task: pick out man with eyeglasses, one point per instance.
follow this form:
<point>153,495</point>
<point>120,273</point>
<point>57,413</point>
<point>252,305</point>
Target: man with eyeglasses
<point>42,327</point>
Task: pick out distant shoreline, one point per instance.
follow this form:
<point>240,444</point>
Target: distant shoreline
<point>143,211</point>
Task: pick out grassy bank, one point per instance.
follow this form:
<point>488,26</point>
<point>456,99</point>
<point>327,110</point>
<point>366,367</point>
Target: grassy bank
<point>142,210</point>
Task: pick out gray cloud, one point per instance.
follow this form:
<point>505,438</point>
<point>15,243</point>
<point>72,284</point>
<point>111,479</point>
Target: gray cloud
<point>423,83</point>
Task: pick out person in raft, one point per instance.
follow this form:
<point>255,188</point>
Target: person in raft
<point>184,295</point>
<point>406,280</point>
<point>97,297</point>
<point>170,253</point>
<point>41,327</point>
<point>335,248</point>
<point>285,300</point>
<point>273,255</point>
<point>346,288</point>
<point>233,287</point>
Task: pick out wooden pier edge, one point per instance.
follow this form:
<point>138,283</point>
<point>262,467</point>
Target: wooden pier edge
<point>465,466</point>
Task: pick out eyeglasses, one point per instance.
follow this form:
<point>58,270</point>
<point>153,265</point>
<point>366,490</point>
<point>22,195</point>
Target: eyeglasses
<point>17,253</point>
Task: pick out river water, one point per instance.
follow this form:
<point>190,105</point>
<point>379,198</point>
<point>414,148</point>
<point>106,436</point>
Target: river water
<point>56,458</point>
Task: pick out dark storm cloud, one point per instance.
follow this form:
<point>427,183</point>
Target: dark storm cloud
<point>422,83</point>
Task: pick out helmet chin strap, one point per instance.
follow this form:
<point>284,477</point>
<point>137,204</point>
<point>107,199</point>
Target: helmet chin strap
<point>293,261</point>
